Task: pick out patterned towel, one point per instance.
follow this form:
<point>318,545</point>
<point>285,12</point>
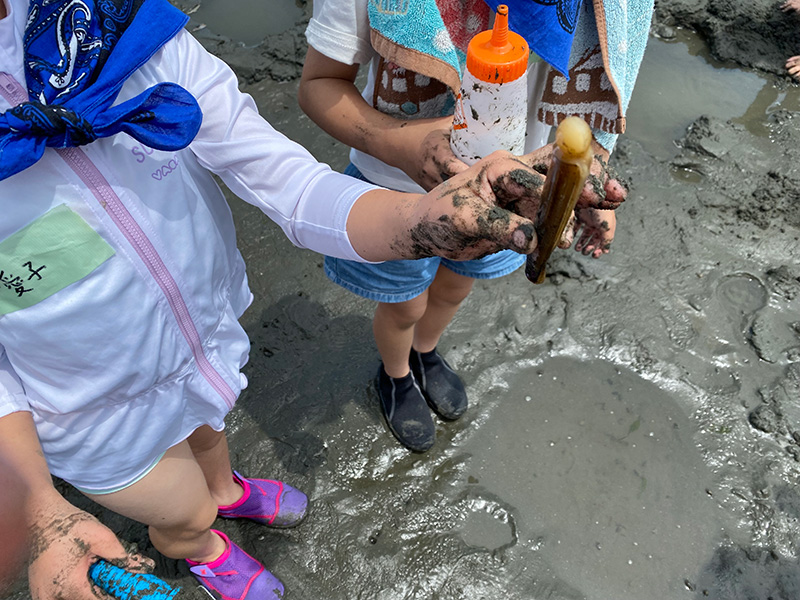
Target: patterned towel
<point>429,37</point>
<point>78,54</point>
<point>608,50</point>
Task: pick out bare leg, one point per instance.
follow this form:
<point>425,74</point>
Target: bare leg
<point>393,327</point>
<point>174,501</point>
<point>210,449</point>
<point>445,296</point>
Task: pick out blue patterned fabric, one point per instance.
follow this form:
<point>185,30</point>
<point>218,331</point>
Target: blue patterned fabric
<point>547,25</point>
<point>78,54</point>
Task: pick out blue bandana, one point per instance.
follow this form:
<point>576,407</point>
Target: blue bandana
<point>547,25</point>
<point>78,53</point>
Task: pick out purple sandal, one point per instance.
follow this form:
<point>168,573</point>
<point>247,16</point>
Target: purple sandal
<point>236,575</point>
<point>266,501</point>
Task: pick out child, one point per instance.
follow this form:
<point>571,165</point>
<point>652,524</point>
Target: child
<point>121,284</point>
<point>398,129</point>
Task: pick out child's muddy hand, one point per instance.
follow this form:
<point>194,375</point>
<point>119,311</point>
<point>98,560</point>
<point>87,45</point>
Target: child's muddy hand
<point>603,190</point>
<point>483,210</point>
<point>793,66</point>
<point>438,163</point>
<point>65,542</point>
<point>594,231</point>
<point>791,5</point>
<point>426,155</point>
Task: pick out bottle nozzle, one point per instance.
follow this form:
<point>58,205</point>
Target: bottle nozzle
<point>500,28</point>
<point>498,55</point>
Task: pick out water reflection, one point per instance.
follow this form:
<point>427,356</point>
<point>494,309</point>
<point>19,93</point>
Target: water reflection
<point>247,21</point>
<point>679,81</point>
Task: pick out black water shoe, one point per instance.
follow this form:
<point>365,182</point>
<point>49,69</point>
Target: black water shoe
<point>441,385</point>
<point>406,411</point>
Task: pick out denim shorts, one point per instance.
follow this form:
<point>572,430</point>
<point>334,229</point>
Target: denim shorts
<point>401,280</point>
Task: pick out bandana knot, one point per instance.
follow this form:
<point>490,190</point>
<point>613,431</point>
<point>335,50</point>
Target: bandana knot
<point>61,126</point>
<point>78,55</point>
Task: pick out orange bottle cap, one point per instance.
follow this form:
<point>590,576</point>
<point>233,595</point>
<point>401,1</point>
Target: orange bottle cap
<point>498,55</point>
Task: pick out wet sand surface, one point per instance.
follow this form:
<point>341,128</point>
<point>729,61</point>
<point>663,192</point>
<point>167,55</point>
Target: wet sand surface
<point>634,426</point>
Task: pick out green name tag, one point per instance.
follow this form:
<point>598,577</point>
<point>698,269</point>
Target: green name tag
<point>56,250</point>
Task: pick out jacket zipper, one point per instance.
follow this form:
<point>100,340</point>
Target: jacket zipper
<point>91,176</point>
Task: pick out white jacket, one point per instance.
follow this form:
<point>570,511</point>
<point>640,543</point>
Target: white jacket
<point>125,362</point>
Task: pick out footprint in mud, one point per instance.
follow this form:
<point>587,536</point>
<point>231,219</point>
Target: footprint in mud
<point>487,524</point>
<point>742,294</point>
<point>769,332</point>
<point>743,297</point>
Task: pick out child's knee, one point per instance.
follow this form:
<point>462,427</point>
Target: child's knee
<point>188,523</point>
<point>405,314</point>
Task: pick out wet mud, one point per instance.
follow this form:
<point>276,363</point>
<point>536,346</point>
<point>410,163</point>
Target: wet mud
<point>634,422</point>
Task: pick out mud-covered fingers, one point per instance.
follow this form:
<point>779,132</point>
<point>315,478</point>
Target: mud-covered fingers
<point>65,542</point>
<point>438,162</point>
<point>603,244</point>
<point>456,222</point>
<point>583,240</point>
<point>600,193</point>
<point>496,228</point>
<point>451,164</point>
<point>791,5</point>
<point>490,206</point>
<point>603,248</point>
<point>512,184</point>
<point>603,189</point>
<point>594,247</point>
<point>793,66</point>
<point>138,563</point>
<point>616,192</point>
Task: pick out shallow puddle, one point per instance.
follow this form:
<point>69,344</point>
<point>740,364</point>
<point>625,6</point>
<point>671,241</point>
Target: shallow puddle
<point>603,475</point>
<point>679,81</point>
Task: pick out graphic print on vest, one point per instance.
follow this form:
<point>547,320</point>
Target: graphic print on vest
<point>54,251</point>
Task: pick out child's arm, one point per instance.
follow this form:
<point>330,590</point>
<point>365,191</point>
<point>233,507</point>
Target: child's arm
<point>63,540</point>
<point>489,206</point>
<point>420,147</point>
<point>14,549</point>
<point>324,211</point>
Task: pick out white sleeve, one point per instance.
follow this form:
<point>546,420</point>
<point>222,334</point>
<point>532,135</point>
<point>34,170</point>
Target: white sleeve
<point>340,30</point>
<point>306,198</point>
<point>12,394</point>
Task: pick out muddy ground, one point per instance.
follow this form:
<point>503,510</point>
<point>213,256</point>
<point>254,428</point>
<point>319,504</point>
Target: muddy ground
<point>634,428</point>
